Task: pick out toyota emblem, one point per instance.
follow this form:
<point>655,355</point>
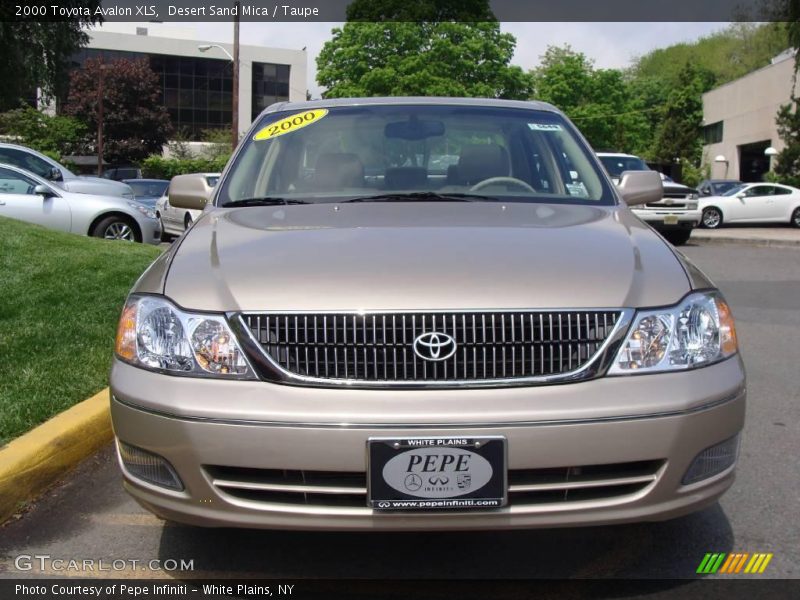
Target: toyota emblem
<point>434,346</point>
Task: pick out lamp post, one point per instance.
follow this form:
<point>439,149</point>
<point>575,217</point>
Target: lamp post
<point>720,158</point>
<point>769,153</point>
<point>235,60</point>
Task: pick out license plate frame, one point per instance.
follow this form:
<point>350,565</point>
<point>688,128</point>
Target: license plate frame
<point>439,489</point>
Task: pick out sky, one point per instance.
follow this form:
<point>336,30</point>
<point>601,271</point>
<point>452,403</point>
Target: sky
<point>610,45</point>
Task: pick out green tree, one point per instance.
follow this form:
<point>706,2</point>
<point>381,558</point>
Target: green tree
<point>678,136</point>
<point>51,134</point>
<point>437,58</point>
<point>135,122</point>
<point>36,53</point>
<point>787,166</point>
<point>598,100</point>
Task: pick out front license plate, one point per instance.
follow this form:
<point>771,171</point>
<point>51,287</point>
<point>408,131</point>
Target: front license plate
<point>437,473</point>
<point>670,220</point>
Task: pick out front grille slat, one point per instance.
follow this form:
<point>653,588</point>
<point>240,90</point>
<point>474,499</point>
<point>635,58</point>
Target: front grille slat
<point>379,347</point>
<point>551,485</point>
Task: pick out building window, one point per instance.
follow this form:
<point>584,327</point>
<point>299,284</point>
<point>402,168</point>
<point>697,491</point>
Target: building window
<point>196,91</point>
<point>270,84</point>
<point>712,133</point>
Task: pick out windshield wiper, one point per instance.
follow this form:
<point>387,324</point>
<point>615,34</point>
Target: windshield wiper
<point>262,201</point>
<point>422,197</point>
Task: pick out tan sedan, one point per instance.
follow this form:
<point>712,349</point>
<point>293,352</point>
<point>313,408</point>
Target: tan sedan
<point>422,313</point>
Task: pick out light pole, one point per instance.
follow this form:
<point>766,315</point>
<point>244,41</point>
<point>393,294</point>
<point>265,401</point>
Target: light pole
<point>235,60</point>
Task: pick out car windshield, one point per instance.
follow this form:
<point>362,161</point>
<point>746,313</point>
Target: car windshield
<point>723,187</point>
<point>424,153</point>
<point>148,188</point>
<point>616,165</point>
<point>734,190</point>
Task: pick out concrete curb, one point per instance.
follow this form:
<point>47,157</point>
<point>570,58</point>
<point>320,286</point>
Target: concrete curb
<point>765,242</point>
<point>32,462</point>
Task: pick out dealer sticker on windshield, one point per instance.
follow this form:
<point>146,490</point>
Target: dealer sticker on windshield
<point>290,124</point>
<point>545,126</point>
<point>437,473</point>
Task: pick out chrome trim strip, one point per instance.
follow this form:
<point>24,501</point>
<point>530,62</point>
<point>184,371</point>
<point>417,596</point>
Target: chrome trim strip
<point>739,393</point>
<point>281,487</point>
<point>272,371</point>
<point>571,485</point>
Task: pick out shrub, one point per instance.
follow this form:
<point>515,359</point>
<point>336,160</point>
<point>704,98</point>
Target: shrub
<point>51,135</point>
<point>158,167</point>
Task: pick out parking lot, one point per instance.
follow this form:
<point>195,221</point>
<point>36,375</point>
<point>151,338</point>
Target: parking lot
<point>89,516</point>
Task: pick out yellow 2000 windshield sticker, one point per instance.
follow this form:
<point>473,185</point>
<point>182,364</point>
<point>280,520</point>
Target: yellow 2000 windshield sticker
<point>290,124</point>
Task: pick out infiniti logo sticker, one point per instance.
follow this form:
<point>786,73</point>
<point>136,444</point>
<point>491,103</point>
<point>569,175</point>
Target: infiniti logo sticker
<point>434,346</point>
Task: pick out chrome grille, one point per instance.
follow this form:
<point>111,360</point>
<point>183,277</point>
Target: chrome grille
<point>334,489</point>
<point>379,347</point>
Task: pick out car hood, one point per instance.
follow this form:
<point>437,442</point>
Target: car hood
<point>421,256</point>
<point>97,186</point>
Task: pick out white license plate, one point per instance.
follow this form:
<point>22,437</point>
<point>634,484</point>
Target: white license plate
<point>437,473</point>
<point>670,220</point>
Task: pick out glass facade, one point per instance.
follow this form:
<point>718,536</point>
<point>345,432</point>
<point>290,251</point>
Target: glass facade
<point>270,85</point>
<point>198,92</point>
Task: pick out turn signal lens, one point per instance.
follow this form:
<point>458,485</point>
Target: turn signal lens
<point>126,333</point>
<point>727,329</point>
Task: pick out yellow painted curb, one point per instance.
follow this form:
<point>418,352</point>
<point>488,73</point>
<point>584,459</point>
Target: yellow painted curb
<point>32,462</point>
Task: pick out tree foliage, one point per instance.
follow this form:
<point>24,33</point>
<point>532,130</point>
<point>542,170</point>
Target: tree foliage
<point>728,54</point>
<point>135,122</point>
<point>678,135</point>
<point>442,58</point>
<point>51,134</point>
<point>36,53</point>
<point>598,100</point>
<point>787,166</point>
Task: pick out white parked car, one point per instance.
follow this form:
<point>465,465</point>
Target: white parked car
<point>752,203</point>
<point>59,175</point>
<point>27,197</point>
<point>174,221</point>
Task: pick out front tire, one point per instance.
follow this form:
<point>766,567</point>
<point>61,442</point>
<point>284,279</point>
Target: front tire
<point>679,237</point>
<point>712,218</point>
<point>116,228</point>
<point>795,222</point>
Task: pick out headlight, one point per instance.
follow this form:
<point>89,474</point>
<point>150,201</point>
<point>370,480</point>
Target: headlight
<point>697,332</point>
<point>156,335</point>
<point>145,210</point>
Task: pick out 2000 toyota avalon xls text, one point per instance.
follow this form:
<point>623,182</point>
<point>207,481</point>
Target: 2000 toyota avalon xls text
<point>423,313</point>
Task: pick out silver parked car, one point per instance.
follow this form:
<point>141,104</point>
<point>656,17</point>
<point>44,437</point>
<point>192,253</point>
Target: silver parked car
<point>59,175</point>
<point>28,197</point>
<point>360,334</point>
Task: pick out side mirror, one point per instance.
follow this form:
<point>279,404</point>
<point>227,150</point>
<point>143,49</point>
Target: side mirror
<point>43,190</point>
<point>55,174</point>
<point>741,195</point>
<point>189,191</point>
<point>640,187</point>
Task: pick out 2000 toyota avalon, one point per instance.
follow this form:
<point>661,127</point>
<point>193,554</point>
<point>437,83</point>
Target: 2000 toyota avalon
<point>423,314</point>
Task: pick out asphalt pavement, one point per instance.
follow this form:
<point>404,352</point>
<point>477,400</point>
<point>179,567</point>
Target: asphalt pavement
<point>89,516</point>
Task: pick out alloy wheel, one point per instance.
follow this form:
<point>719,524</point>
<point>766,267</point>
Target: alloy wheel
<point>119,231</point>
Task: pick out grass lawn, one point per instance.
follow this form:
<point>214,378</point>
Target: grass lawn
<point>60,298</point>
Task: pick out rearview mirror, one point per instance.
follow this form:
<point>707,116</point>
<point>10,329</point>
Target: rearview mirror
<point>640,187</point>
<point>189,191</point>
<point>414,129</point>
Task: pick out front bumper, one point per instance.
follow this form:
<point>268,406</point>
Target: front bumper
<point>151,230</point>
<point>194,423</point>
<point>667,219</point>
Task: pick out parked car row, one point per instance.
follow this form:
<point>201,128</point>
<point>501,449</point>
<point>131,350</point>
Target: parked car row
<point>38,189</point>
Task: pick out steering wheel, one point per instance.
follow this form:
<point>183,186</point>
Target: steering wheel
<point>500,180</point>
